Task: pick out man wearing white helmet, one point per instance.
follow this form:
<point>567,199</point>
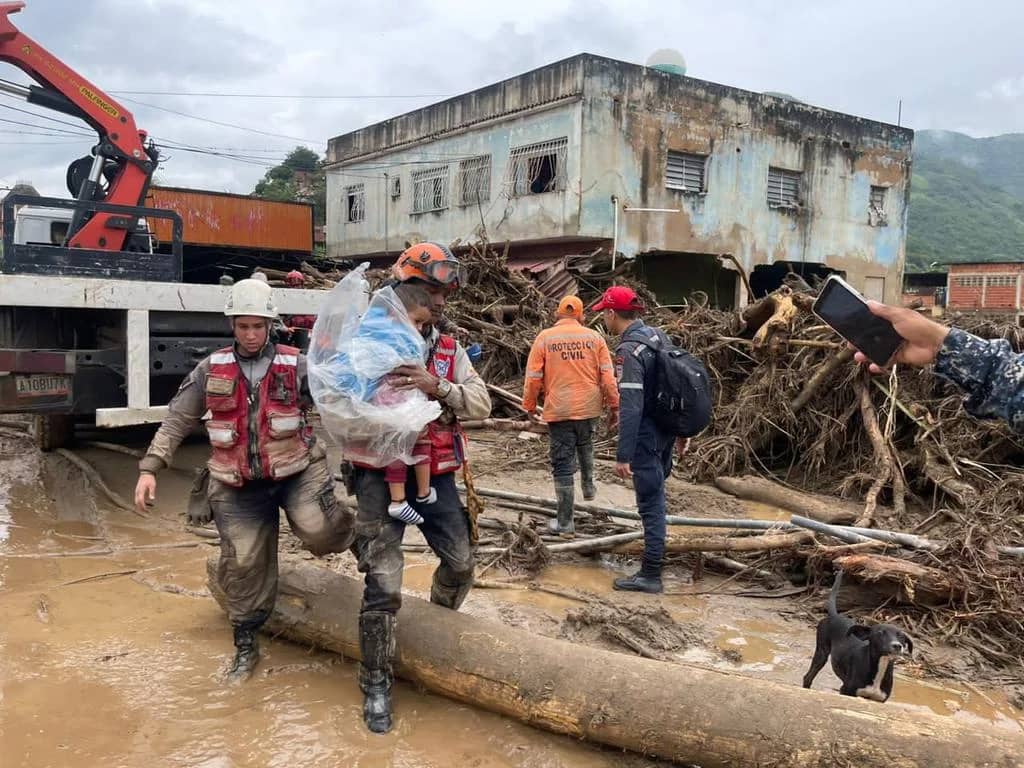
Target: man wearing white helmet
<point>264,457</point>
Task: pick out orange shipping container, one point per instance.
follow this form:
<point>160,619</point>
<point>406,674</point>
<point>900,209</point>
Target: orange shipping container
<point>221,220</point>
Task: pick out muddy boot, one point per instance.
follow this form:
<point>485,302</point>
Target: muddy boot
<point>565,495</point>
<point>377,647</point>
<point>449,596</point>
<point>640,582</point>
<point>587,475</point>
<point>247,654</point>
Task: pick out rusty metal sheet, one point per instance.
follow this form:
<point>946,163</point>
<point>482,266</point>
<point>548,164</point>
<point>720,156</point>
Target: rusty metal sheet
<point>220,220</point>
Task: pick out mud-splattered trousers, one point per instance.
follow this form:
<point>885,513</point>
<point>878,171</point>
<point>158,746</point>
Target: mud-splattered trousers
<point>248,520</point>
<point>379,542</point>
<point>989,371</point>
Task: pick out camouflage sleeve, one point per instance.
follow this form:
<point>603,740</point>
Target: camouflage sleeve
<point>990,372</point>
<point>184,412</point>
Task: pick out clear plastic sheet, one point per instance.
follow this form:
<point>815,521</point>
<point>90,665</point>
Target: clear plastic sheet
<point>357,341</point>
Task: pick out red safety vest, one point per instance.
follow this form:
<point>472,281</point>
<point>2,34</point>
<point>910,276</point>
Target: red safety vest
<point>447,447</point>
<point>447,443</point>
<point>270,441</point>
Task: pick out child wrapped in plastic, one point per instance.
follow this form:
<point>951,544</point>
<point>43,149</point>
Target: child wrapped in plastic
<point>355,345</point>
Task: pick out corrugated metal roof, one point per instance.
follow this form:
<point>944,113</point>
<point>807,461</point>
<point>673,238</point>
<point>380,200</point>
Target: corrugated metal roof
<point>552,275</point>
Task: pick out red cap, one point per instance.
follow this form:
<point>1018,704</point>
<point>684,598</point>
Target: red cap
<point>620,298</point>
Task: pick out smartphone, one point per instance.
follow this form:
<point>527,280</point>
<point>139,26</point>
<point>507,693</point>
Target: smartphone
<point>846,311</point>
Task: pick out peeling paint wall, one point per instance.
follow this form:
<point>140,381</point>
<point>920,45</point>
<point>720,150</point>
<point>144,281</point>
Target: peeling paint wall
<point>633,116</point>
<point>548,215</point>
<point>621,120</point>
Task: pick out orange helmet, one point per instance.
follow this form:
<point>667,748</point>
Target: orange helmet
<point>294,278</point>
<point>431,262</point>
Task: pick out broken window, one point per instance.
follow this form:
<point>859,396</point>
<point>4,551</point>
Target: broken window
<point>783,188</point>
<point>876,207</point>
<point>355,203</point>
<point>538,168</point>
<point>685,171</point>
<point>430,189</point>
<point>474,180</point>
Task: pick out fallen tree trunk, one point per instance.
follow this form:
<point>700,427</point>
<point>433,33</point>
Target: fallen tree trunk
<point>917,583</point>
<point>676,543</point>
<point>683,713</point>
<point>834,511</point>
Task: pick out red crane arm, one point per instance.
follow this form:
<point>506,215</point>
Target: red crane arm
<point>121,143</point>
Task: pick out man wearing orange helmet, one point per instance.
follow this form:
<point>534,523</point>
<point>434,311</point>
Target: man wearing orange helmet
<point>448,376</point>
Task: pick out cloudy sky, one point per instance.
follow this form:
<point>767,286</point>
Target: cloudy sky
<point>955,66</point>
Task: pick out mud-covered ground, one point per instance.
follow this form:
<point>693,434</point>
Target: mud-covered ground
<point>111,649</point>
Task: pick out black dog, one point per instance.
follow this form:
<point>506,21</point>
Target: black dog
<point>862,657</point>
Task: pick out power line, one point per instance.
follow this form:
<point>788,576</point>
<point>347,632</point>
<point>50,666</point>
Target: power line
<point>223,124</point>
<point>211,94</point>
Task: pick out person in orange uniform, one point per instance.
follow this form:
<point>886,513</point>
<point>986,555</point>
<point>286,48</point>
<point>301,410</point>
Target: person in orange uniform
<point>571,365</point>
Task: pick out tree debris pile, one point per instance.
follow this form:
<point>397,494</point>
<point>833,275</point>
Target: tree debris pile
<point>791,405</point>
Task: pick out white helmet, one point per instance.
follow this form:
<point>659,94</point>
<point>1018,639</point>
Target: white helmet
<point>251,298</point>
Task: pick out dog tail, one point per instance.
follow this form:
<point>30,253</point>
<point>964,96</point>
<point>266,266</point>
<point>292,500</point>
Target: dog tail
<point>832,610</point>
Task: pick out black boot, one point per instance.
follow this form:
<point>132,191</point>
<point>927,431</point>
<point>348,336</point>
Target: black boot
<point>640,582</point>
<point>586,458</point>
<point>565,495</point>
<point>377,647</point>
<point>247,653</point>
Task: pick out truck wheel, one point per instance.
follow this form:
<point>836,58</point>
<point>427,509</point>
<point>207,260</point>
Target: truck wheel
<point>53,431</point>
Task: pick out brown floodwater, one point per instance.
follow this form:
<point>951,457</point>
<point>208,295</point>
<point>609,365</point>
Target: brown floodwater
<point>113,657</point>
<point>112,651</point>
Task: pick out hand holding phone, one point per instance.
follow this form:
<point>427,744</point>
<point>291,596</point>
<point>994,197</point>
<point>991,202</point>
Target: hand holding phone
<point>847,312</point>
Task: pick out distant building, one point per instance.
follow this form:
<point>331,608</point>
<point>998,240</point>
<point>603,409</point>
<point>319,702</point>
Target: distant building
<point>592,154</point>
<point>927,289</point>
<point>992,287</point>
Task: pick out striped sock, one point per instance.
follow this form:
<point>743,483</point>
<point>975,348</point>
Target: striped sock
<point>400,510</point>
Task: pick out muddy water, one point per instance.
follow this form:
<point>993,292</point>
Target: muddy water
<point>115,658</point>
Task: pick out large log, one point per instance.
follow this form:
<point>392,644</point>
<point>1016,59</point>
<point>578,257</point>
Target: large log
<point>678,712</point>
<point>917,583</point>
<point>834,511</point>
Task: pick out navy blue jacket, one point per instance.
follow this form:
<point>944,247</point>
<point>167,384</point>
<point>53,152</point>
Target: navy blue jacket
<point>636,374</point>
<point>990,372</point>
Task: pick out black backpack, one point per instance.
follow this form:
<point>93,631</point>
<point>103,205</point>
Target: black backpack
<point>682,401</point>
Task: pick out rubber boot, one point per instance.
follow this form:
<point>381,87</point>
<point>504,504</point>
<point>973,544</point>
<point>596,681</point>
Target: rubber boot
<point>565,493</point>
<point>586,459</point>
<point>448,596</point>
<point>247,653</point>
<point>377,647</point>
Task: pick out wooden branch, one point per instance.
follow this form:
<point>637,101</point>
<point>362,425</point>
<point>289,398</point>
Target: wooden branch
<point>97,482</point>
<point>678,543</point>
<point>751,488</point>
<point>601,544</point>
<point>883,459</point>
<point>918,583</point>
<point>842,358</point>
<point>506,425</point>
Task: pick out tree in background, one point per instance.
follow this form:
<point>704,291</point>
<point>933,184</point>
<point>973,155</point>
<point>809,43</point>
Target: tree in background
<point>300,178</point>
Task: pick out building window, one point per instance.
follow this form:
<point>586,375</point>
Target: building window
<point>876,207</point>
<point>685,171</point>
<point>430,189</point>
<point>969,281</point>
<point>538,168</point>
<point>783,188</point>
<point>355,203</point>
<point>474,180</point>
<point>1002,281</point>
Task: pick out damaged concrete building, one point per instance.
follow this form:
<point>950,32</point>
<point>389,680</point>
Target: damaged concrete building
<point>595,155</point>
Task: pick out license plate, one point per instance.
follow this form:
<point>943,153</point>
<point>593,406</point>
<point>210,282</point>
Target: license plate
<point>43,385</point>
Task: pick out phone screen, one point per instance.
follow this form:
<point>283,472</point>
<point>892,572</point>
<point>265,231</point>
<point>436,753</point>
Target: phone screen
<point>845,310</point>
